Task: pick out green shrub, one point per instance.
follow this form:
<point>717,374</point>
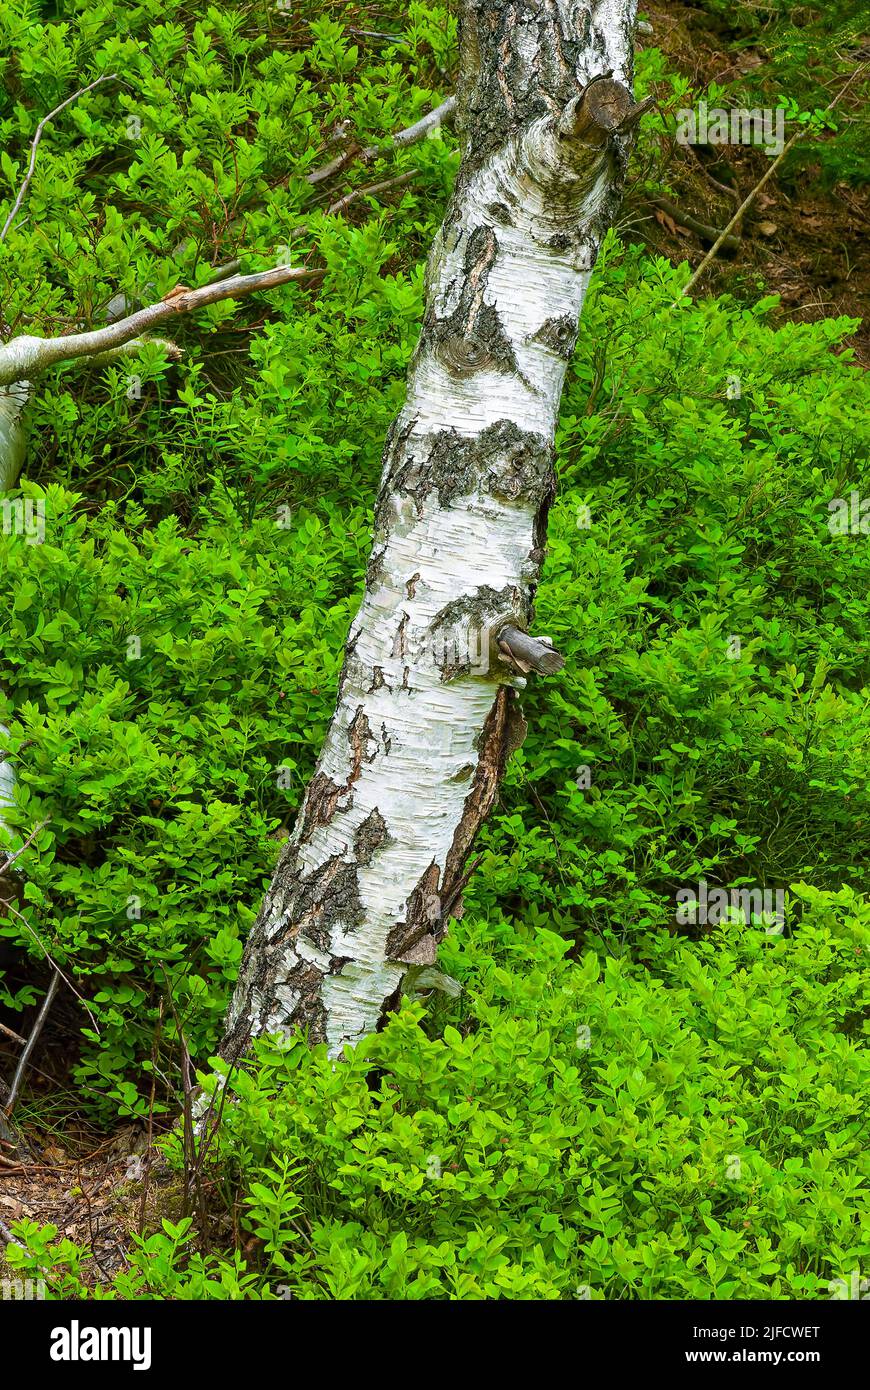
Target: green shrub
<point>678,1120</point>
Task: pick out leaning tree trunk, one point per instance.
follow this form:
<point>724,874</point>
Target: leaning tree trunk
<point>13,448</point>
<point>427,711</point>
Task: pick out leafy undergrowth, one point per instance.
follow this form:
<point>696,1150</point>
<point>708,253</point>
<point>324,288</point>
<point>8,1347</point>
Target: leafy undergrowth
<point>678,1120</point>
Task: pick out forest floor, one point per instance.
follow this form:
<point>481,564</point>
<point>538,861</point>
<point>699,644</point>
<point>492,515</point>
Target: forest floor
<point>89,1194</point>
<point>798,243</point>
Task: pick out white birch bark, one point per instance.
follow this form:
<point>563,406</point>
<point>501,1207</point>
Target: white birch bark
<point>427,710</point>
<point>13,440</point>
<point>13,447</point>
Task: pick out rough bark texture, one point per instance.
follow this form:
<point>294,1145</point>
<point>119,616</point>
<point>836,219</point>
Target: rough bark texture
<point>13,447</point>
<point>427,711</point>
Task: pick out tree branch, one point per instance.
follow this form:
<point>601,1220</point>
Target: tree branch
<point>11,858</point>
<point>108,77</point>
<point>408,136</point>
<point>25,356</point>
<point>529,653</point>
<point>31,1042</point>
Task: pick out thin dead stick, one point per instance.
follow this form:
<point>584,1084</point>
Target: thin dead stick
<point>25,356</point>
<point>747,201</point>
<point>8,1032</point>
<point>4,902</point>
<point>108,77</point>
<point>434,118</point>
<point>31,1042</point>
<point>7,1237</point>
<point>11,858</point>
<point>372,188</point>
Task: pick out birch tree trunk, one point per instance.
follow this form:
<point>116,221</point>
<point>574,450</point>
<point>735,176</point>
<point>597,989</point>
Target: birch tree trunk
<point>13,448</point>
<point>427,711</point>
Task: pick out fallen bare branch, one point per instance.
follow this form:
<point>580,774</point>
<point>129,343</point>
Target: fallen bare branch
<point>109,77</point>
<point>434,118</point>
<point>11,858</point>
<point>412,133</point>
<point>25,356</point>
<point>731,244</point>
<point>31,1042</point>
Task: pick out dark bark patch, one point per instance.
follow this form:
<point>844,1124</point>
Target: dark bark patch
<point>307,980</point>
<point>413,941</point>
<point>375,566</point>
<point>323,795</point>
<point>503,460</point>
<point>327,898</point>
<point>502,735</point>
<point>321,800</point>
<point>371,836</point>
<point>558,334</point>
<point>500,212</point>
<point>521,463</point>
<point>471,339</point>
<point>399,640</point>
<point>359,736</point>
<point>451,467</point>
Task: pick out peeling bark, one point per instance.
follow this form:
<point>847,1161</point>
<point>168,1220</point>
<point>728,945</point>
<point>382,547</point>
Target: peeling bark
<point>13,449</point>
<point>427,711</point>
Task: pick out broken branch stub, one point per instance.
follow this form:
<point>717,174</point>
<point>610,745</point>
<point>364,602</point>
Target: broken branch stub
<point>530,653</point>
<point>604,108</point>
